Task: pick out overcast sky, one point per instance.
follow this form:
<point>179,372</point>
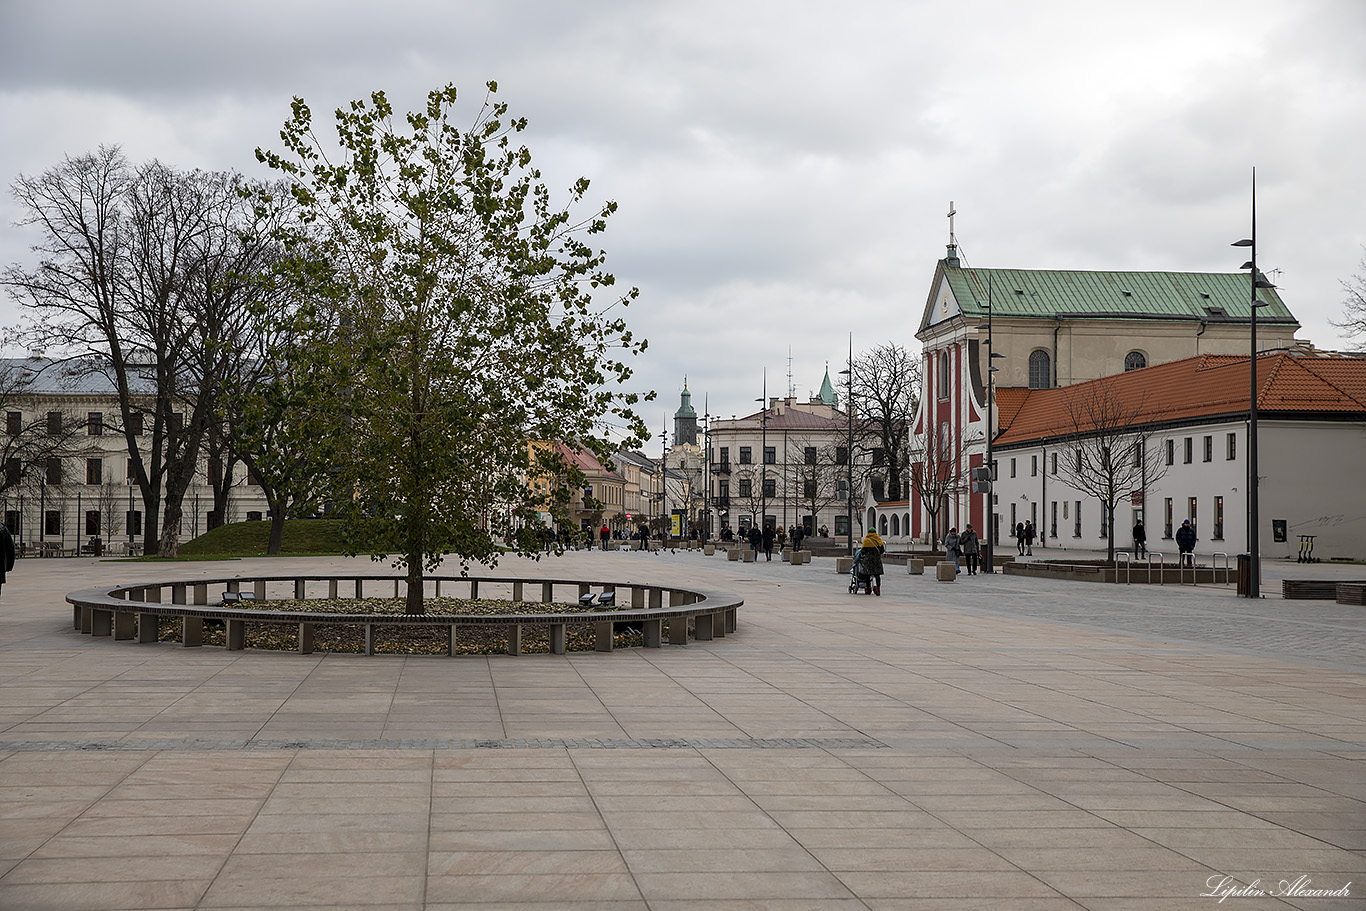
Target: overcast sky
<point>783,169</point>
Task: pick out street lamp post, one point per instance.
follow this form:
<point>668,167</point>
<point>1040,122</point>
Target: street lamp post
<point>1256,281</point>
<point>848,373</point>
<point>989,532</point>
<point>763,457</point>
<point>664,481</point>
<point>706,472</point>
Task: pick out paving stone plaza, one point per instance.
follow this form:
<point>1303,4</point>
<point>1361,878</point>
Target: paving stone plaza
<point>997,742</point>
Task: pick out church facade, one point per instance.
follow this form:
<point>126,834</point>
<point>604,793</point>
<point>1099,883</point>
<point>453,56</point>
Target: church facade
<point>1043,329</point>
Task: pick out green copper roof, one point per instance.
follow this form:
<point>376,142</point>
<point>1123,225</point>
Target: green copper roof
<point>827,392</point>
<point>1046,294</point>
<point>685,410</point>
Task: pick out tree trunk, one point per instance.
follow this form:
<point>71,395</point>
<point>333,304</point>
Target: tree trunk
<point>415,603</point>
<point>169,543</point>
<point>151,533</point>
<point>277,531</point>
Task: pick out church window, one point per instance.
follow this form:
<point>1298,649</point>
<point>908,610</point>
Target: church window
<point>1135,360</point>
<point>1040,370</point>
<point>944,374</point>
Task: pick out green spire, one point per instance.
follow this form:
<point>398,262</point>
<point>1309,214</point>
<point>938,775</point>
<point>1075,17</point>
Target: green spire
<point>828,395</point>
<point>685,409</point>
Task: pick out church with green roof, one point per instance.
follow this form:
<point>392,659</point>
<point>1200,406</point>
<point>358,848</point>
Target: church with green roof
<point>1053,328</point>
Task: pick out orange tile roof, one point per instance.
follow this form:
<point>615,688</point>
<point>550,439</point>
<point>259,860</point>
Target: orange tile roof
<point>1200,387</point>
<point>586,462</point>
<point>1009,401</point>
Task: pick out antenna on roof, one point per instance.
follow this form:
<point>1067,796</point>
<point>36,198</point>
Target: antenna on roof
<point>952,212</point>
<point>791,390</point>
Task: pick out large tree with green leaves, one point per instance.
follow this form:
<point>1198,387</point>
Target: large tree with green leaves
<point>466,313</point>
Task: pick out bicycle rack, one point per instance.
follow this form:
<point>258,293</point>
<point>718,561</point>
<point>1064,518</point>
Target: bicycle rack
<point>1181,568</point>
<point>1161,568</point>
<point>1127,564</point>
<point>1214,566</point>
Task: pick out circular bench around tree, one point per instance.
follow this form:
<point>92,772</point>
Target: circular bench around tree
<point>133,612</point>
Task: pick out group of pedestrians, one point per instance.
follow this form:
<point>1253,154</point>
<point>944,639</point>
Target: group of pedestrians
<point>963,548</point>
<point>1185,542</point>
<point>1024,537</point>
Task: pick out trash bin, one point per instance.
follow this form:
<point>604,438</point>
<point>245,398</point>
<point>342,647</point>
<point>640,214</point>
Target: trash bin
<point>1244,575</point>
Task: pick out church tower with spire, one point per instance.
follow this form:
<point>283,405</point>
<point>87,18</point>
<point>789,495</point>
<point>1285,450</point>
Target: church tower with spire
<point>685,419</point>
<point>827,394</point>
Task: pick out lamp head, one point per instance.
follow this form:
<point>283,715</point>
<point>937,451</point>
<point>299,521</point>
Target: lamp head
<point>1245,242</point>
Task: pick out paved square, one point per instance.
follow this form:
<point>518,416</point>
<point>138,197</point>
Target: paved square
<point>996,743</point>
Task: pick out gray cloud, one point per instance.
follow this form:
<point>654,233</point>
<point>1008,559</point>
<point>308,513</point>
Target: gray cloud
<point>783,168</point>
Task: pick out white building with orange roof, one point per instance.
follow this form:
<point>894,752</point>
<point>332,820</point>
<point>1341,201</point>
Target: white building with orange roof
<point>1192,413</point>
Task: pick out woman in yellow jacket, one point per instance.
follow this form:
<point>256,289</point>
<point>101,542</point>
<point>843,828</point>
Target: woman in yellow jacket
<point>870,561</point>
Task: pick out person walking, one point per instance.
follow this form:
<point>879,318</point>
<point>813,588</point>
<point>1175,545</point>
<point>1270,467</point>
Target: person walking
<point>1019,538</point>
<point>1185,544</point>
<point>768,542</point>
<point>604,534</point>
<point>755,538</point>
<point>953,547</point>
<point>1029,537</point>
<point>870,562</point>
<point>6,553</point>
<point>1140,539</point>
<point>972,548</point>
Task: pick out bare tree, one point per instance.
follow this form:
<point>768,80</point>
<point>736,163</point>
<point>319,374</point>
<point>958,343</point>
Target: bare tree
<point>816,474</point>
<point>938,474</point>
<point>146,276</point>
<point>1354,304</point>
<point>746,493</point>
<point>886,388</point>
<point>108,501</point>
<point>1110,432</point>
<point>31,439</point>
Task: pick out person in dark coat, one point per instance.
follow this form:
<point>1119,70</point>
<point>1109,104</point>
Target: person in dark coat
<point>755,538</point>
<point>6,553</point>
<point>972,549</point>
<point>1019,537</point>
<point>768,541</point>
<point>1140,539</point>
<point>1029,537</point>
<point>1185,543</point>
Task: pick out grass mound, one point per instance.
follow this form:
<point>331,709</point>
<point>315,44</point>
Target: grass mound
<point>250,539</point>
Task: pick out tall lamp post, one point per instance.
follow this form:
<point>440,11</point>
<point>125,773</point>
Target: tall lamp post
<point>763,456</point>
<point>706,471</point>
<point>664,481</point>
<point>848,373</point>
<point>1253,544</point>
<point>988,533</point>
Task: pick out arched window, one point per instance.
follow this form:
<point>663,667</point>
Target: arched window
<point>906,524</point>
<point>1135,360</point>
<point>872,519</point>
<point>882,530</point>
<point>896,524</point>
<point>1040,370</point>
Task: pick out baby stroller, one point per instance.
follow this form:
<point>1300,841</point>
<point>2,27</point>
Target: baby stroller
<point>858,579</point>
